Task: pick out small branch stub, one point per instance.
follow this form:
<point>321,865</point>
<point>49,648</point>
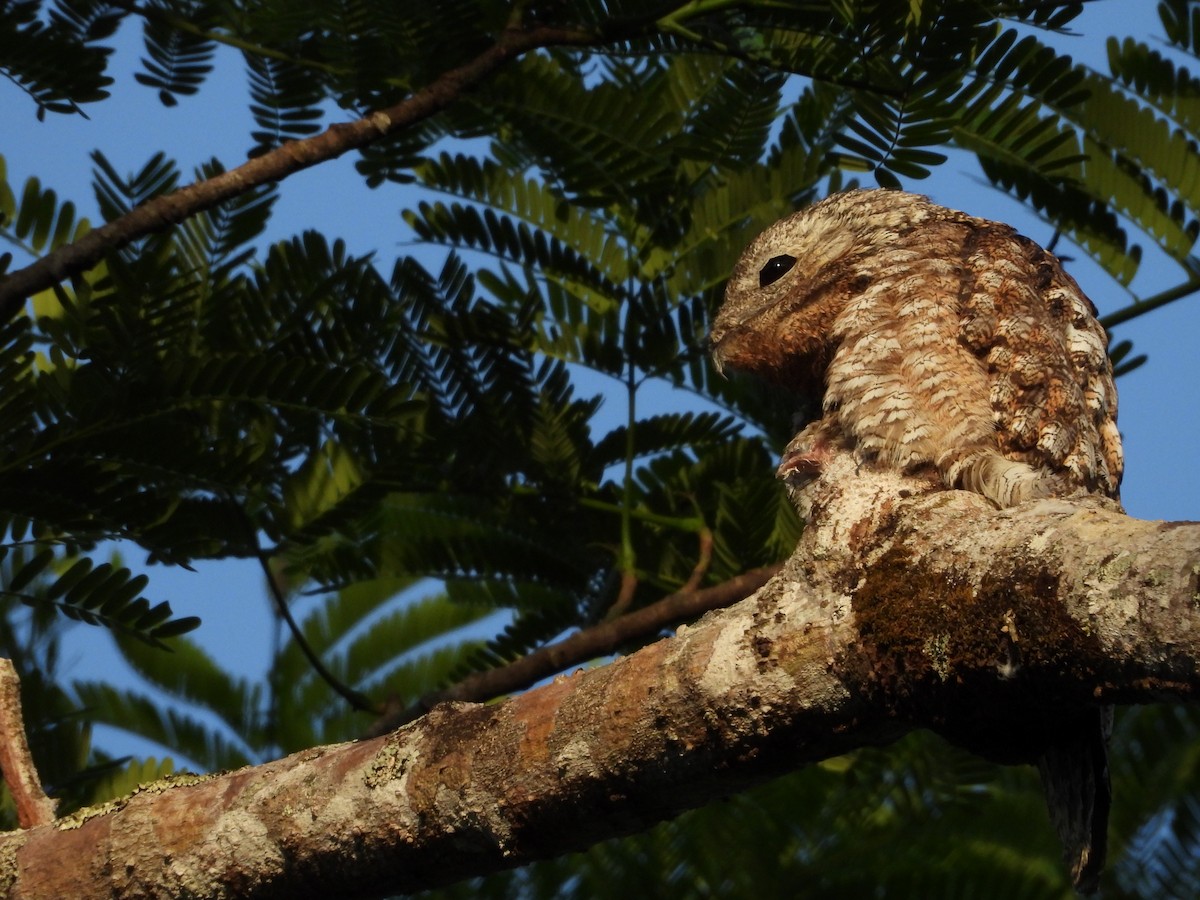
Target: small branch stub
<point>20,774</point>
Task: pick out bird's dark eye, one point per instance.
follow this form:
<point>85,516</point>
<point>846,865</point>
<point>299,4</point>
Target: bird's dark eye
<point>774,269</point>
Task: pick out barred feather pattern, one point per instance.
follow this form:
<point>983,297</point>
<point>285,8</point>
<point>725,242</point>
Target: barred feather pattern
<point>933,338</point>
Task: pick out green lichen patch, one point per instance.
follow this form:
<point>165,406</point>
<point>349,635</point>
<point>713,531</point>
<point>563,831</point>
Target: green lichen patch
<point>388,765</point>
<point>78,818</point>
<point>158,786</point>
<point>9,869</point>
<point>1114,569</point>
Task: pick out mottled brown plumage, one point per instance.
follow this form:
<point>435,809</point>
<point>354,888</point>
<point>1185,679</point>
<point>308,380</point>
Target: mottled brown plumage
<point>931,338</point>
<point>938,341</point>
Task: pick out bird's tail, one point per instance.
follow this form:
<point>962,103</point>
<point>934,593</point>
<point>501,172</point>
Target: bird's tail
<point>1074,770</point>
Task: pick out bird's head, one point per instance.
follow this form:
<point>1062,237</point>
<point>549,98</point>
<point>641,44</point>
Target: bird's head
<point>795,277</point>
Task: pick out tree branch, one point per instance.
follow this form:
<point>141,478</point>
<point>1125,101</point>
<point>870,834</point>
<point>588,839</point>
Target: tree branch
<point>356,700</point>
<point>898,610</point>
<point>591,643</point>
<point>16,762</point>
<point>1141,307</point>
<point>169,209</point>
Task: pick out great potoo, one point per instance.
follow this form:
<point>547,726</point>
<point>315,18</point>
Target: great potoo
<point>939,342</point>
<point>932,338</point>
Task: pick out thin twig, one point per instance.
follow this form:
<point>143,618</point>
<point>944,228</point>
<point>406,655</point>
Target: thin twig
<point>357,700</point>
<point>703,561</point>
<point>20,774</point>
<point>1141,307</point>
<point>591,643</point>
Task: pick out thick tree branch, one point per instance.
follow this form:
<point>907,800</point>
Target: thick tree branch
<point>590,643</point>
<point>901,608</point>
<point>170,209</point>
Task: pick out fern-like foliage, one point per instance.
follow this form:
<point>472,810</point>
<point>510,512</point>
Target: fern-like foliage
<point>56,502</point>
<point>58,727</point>
<point>608,260</point>
<point>215,719</point>
<point>59,61</point>
<point>101,594</point>
<point>178,59</point>
<point>1107,151</point>
<point>284,102</point>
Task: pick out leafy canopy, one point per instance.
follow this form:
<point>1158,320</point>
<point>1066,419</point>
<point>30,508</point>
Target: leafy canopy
<point>517,426</point>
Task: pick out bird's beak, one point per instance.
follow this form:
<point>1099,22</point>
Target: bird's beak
<point>718,357</point>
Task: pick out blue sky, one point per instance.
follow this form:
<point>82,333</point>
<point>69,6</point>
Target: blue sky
<point>1159,410</point>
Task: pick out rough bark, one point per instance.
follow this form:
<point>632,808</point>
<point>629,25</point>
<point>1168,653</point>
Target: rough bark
<point>901,608</point>
<point>602,639</point>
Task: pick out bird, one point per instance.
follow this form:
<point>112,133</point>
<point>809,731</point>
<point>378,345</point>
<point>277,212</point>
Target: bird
<point>935,342</point>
